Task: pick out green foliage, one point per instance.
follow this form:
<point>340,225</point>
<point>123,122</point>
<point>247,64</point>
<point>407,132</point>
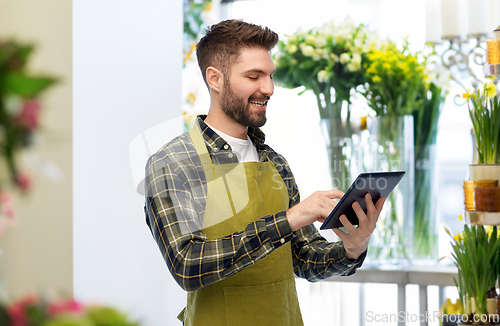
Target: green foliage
<point>476,254</point>
<point>19,106</point>
<point>484,112</point>
<point>395,79</point>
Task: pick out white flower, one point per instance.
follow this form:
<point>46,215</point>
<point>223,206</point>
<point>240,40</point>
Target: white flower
<point>320,41</point>
<point>291,38</point>
<point>291,48</point>
<point>307,50</point>
<point>344,58</point>
<point>353,66</point>
<point>311,39</point>
<point>323,76</point>
<point>356,58</point>
<point>325,54</point>
<point>13,104</point>
<point>334,57</point>
<point>318,55</point>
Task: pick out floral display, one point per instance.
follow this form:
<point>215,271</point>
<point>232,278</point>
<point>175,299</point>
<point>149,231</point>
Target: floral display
<point>394,88</point>
<point>395,79</point>
<point>475,253</point>
<point>484,111</point>
<point>19,119</point>
<point>33,311</point>
<point>328,60</point>
<point>425,119</point>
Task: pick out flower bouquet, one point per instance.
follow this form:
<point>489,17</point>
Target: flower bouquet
<point>328,60</point>
<point>33,311</point>
<point>19,117</point>
<point>395,79</point>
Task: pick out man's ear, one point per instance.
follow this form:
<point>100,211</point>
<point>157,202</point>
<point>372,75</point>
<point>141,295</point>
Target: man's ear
<point>215,79</point>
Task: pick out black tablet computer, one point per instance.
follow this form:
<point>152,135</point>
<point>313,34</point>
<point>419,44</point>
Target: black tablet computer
<point>378,184</point>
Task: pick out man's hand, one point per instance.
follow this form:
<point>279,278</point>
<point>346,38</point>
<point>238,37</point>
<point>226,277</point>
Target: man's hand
<point>356,240</point>
<point>314,208</point>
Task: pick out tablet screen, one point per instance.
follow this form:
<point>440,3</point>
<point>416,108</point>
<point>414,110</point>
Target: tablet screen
<point>378,184</point>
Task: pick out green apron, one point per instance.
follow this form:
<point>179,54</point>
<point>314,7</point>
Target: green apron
<point>264,293</point>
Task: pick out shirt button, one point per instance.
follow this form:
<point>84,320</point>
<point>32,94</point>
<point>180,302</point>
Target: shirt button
<point>226,146</point>
<point>230,155</point>
<point>282,240</point>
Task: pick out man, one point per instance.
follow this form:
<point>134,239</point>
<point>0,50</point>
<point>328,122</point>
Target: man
<point>224,207</point>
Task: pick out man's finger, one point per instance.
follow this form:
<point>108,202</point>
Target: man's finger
<point>359,213</point>
<point>341,234</point>
<point>332,194</point>
<point>347,224</point>
<point>370,207</point>
<point>380,204</point>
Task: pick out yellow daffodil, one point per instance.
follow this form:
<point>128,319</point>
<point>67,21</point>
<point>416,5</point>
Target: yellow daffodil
<point>490,90</point>
<point>376,79</point>
<point>467,95</point>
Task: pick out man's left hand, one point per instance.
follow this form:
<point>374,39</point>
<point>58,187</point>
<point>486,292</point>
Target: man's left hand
<point>356,240</point>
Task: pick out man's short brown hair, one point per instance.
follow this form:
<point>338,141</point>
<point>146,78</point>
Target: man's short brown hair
<point>221,44</point>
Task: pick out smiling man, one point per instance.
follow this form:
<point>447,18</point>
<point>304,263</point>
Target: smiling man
<point>224,207</point>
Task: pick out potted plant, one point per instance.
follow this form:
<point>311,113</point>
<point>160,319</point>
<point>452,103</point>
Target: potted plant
<point>475,253</point>
<point>484,111</point>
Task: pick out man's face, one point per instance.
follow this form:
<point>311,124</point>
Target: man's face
<point>248,86</point>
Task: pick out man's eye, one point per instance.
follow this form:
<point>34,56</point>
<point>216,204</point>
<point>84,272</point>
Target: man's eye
<point>253,78</point>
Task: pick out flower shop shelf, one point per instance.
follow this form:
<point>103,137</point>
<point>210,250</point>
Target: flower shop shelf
<point>440,275</point>
<point>482,218</point>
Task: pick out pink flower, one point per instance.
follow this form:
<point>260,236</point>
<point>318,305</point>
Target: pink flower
<point>69,306</point>
<point>5,199</point>
<point>28,117</point>
<point>23,181</point>
<point>17,311</point>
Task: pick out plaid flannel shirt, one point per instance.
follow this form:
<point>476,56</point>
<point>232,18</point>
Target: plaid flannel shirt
<point>176,191</point>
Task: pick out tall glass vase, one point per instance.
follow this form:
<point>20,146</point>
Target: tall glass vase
<point>425,236</point>
<point>339,144</point>
<point>392,149</point>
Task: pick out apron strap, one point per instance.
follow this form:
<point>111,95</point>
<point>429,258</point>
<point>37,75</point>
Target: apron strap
<point>202,151</point>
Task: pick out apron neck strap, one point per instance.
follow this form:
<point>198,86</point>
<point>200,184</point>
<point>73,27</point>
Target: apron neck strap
<point>201,150</point>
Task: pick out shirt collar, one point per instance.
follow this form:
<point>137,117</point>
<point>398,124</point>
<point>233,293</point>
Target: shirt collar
<point>215,142</point>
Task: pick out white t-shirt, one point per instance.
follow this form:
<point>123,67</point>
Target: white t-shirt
<point>244,148</point>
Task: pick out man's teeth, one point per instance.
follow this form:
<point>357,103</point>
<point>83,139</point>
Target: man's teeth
<point>258,103</point>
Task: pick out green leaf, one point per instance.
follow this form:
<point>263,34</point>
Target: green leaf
<point>25,86</point>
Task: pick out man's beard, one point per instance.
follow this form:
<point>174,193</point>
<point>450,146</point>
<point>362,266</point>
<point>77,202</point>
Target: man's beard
<point>238,108</point>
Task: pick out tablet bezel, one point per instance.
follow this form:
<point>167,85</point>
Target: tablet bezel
<point>357,192</point>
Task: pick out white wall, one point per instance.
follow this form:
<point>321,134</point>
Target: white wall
<point>127,71</point>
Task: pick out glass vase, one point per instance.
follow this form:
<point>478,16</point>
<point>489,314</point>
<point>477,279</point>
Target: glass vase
<point>338,141</point>
<point>425,233</point>
<point>392,149</point>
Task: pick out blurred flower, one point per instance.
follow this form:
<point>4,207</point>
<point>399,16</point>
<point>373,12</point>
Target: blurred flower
<point>23,181</point>
<point>490,90</point>
<point>32,311</point>
<point>19,118</point>
<point>28,117</point>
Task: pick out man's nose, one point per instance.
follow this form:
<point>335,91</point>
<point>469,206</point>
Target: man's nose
<point>267,86</point>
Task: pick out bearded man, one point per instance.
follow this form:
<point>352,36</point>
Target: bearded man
<point>224,207</point>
